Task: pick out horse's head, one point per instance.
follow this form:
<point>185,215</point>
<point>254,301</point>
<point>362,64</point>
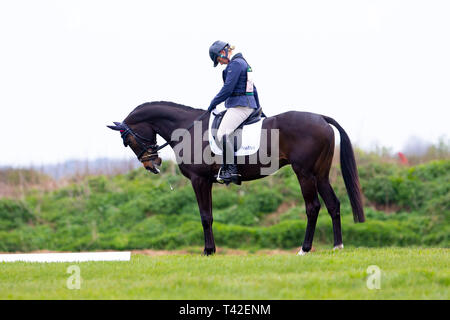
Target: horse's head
<point>145,148</point>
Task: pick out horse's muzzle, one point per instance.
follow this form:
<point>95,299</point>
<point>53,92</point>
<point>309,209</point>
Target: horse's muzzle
<point>153,165</point>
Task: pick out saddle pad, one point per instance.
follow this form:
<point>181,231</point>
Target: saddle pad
<point>251,137</point>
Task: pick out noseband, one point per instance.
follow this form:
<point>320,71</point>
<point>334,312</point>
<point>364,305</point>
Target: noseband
<point>152,149</point>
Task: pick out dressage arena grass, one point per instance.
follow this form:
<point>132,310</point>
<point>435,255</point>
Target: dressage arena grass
<point>406,273</point>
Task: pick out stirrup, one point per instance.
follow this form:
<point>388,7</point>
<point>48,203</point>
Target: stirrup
<point>219,179</point>
<point>235,178</point>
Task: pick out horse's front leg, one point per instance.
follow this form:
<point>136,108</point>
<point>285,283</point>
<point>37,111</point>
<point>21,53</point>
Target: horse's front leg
<point>202,188</point>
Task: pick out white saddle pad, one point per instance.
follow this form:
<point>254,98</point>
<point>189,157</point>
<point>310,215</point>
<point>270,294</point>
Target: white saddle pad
<point>251,137</point>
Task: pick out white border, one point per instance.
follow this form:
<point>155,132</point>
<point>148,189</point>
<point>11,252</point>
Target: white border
<point>67,257</point>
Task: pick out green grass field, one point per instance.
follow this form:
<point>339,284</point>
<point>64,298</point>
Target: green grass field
<point>406,273</point>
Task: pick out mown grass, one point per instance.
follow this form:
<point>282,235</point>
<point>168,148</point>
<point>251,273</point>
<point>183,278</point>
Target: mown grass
<point>406,273</point>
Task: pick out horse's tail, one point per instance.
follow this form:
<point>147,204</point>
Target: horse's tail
<point>349,172</point>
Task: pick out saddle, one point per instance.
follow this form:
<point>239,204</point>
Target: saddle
<point>246,140</point>
<point>255,116</point>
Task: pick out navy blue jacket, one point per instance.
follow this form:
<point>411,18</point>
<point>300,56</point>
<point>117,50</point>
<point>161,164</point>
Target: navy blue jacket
<point>235,82</point>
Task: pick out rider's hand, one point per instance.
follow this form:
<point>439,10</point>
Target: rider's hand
<point>211,108</point>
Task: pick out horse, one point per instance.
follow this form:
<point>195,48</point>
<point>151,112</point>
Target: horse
<point>305,141</point>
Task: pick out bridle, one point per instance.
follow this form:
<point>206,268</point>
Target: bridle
<point>152,149</point>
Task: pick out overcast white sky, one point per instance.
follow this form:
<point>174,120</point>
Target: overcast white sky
<point>68,68</point>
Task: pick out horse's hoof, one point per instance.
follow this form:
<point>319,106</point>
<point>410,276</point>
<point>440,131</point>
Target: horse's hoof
<point>209,251</point>
<point>338,247</point>
<point>301,252</point>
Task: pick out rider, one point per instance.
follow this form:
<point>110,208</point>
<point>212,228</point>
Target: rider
<point>241,99</point>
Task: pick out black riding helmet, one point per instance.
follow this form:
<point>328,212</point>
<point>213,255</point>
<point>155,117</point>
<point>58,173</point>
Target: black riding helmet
<point>214,50</point>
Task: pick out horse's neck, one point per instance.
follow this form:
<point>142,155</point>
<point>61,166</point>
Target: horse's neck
<point>166,119</point>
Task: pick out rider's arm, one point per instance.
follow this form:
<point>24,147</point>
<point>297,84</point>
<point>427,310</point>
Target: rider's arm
<point>255,94</point>
<point>234,70</point>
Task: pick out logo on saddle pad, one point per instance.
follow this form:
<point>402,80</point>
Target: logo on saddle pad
<point>248,134</point>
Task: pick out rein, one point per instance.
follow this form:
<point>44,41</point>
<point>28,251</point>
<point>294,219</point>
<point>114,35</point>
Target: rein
<point>153,148</point>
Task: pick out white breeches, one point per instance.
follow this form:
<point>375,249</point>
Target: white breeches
<point>232,119</point>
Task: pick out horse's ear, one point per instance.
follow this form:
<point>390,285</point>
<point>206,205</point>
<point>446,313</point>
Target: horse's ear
<point>117,127</point>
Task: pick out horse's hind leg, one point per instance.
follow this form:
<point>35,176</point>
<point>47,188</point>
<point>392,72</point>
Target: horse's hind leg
<point>312,204</point>
<point>333,206</point>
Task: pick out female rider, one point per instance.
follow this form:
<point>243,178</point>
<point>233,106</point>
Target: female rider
<point>241,99</point>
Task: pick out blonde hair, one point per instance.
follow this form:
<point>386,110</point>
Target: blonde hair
<point>230,47</point>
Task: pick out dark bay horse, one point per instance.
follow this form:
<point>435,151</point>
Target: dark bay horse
<point>305,141</point>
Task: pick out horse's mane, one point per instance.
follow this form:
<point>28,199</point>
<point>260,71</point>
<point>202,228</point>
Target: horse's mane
<point>164,103</point>
<point>141,112</point>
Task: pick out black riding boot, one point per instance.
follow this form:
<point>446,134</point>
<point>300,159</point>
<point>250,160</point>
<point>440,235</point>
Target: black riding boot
<point>228,173</point>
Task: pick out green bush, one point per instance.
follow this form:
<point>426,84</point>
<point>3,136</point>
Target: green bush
<point>14,214</point>
<point>138,210</point>
<point>380,190</point>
